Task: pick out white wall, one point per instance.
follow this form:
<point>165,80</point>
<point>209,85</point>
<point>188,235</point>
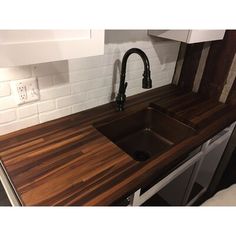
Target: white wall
<point>68,87</point>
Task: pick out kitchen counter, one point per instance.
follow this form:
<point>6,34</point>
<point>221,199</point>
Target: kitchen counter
<point>68,162</point>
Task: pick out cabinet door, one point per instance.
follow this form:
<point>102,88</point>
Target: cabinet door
<point>196,36</point>
<point>211,161</point>
<point>141,196</point>
<point>174,192</point>
<point>23,47</point>
<point>189,36</point>
<point>213,151</point>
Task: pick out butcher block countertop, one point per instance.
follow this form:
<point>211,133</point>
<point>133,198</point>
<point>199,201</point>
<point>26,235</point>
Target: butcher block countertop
<point>68,162</point>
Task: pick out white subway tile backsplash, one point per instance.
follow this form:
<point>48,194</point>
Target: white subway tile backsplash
<point>18,124</point>
<point>95,102</point>
<point>5,89</point>
<point>27,110</point>
<point>80,87</point>
<point>47,116</point>
<point>45,82</point>
<point>85,63</point>
<point>88,85</point>
<point>46,106</point>
<point>54,92</point>
<point>79,107</point>
<point>101,92</point>
<point>7,103</point>
<point>7,116</point>
<point>50,68</point>
<point>70,100</point>
<point>111,71</point>
<point>134,91</point>
<point>99,61</point>
<point>49,81</point>
<point>89,74</point>
<point>68,87</point>
<point>62,78</point>
<point>90,103</point>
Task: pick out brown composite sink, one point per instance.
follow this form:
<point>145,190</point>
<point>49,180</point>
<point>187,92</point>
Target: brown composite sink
<point>146,133</point>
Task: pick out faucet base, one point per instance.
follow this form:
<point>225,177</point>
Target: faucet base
<point>120,101</point>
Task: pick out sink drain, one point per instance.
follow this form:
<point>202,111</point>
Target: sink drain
<point>141,155</point>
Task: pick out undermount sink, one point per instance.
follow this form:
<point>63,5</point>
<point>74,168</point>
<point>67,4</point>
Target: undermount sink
<point>146,133</point>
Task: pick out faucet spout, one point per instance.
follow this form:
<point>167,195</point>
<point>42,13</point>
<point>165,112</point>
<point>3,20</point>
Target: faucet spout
<point>146,82</point>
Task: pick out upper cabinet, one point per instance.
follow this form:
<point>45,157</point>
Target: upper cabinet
<point>189,36</point>
<point>24,47</point>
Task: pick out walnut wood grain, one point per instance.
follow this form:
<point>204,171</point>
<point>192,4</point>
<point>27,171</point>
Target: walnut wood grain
<point>190,65</point>
<point>68,162</point>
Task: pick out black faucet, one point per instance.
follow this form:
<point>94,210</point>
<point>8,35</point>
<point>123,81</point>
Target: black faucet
<point>146,83</point>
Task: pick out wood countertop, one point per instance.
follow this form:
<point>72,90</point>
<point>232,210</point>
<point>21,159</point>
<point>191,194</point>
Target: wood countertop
<point>68,162</point>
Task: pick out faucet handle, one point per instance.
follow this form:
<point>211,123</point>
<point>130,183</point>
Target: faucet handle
<point>147,82</point>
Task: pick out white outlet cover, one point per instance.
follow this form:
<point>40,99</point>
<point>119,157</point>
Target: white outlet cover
<point>25,90</point>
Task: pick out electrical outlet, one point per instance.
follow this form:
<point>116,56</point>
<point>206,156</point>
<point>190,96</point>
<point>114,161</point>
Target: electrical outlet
<point>25,90</point>
<point>22,92</point>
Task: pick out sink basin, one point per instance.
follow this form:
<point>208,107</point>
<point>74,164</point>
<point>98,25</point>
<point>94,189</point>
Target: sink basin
<point>146,133</point>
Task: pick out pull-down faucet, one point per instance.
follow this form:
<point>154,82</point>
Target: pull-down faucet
<point>146,83</point>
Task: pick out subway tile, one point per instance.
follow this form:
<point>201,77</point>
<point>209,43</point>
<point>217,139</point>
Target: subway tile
<point>47,116</point>
<point>5,89</point>
<point>54,92</point>
<point>85,63</point>
<point>18,124</point>
<point>27,110</point>
<point>62,78</point>
<point>79,107</point>
<point>70,100</point>
<point>88,85</point>
<point>101,92</point>
<point>7,116</point>
<point>50,68</point>
<point>98,62</point>
<point>89,74</point>
<point>46,106</point>
<point>45,82</point>
<point>96,102</point>
<point>89,104</point>
<point>7,103</point>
